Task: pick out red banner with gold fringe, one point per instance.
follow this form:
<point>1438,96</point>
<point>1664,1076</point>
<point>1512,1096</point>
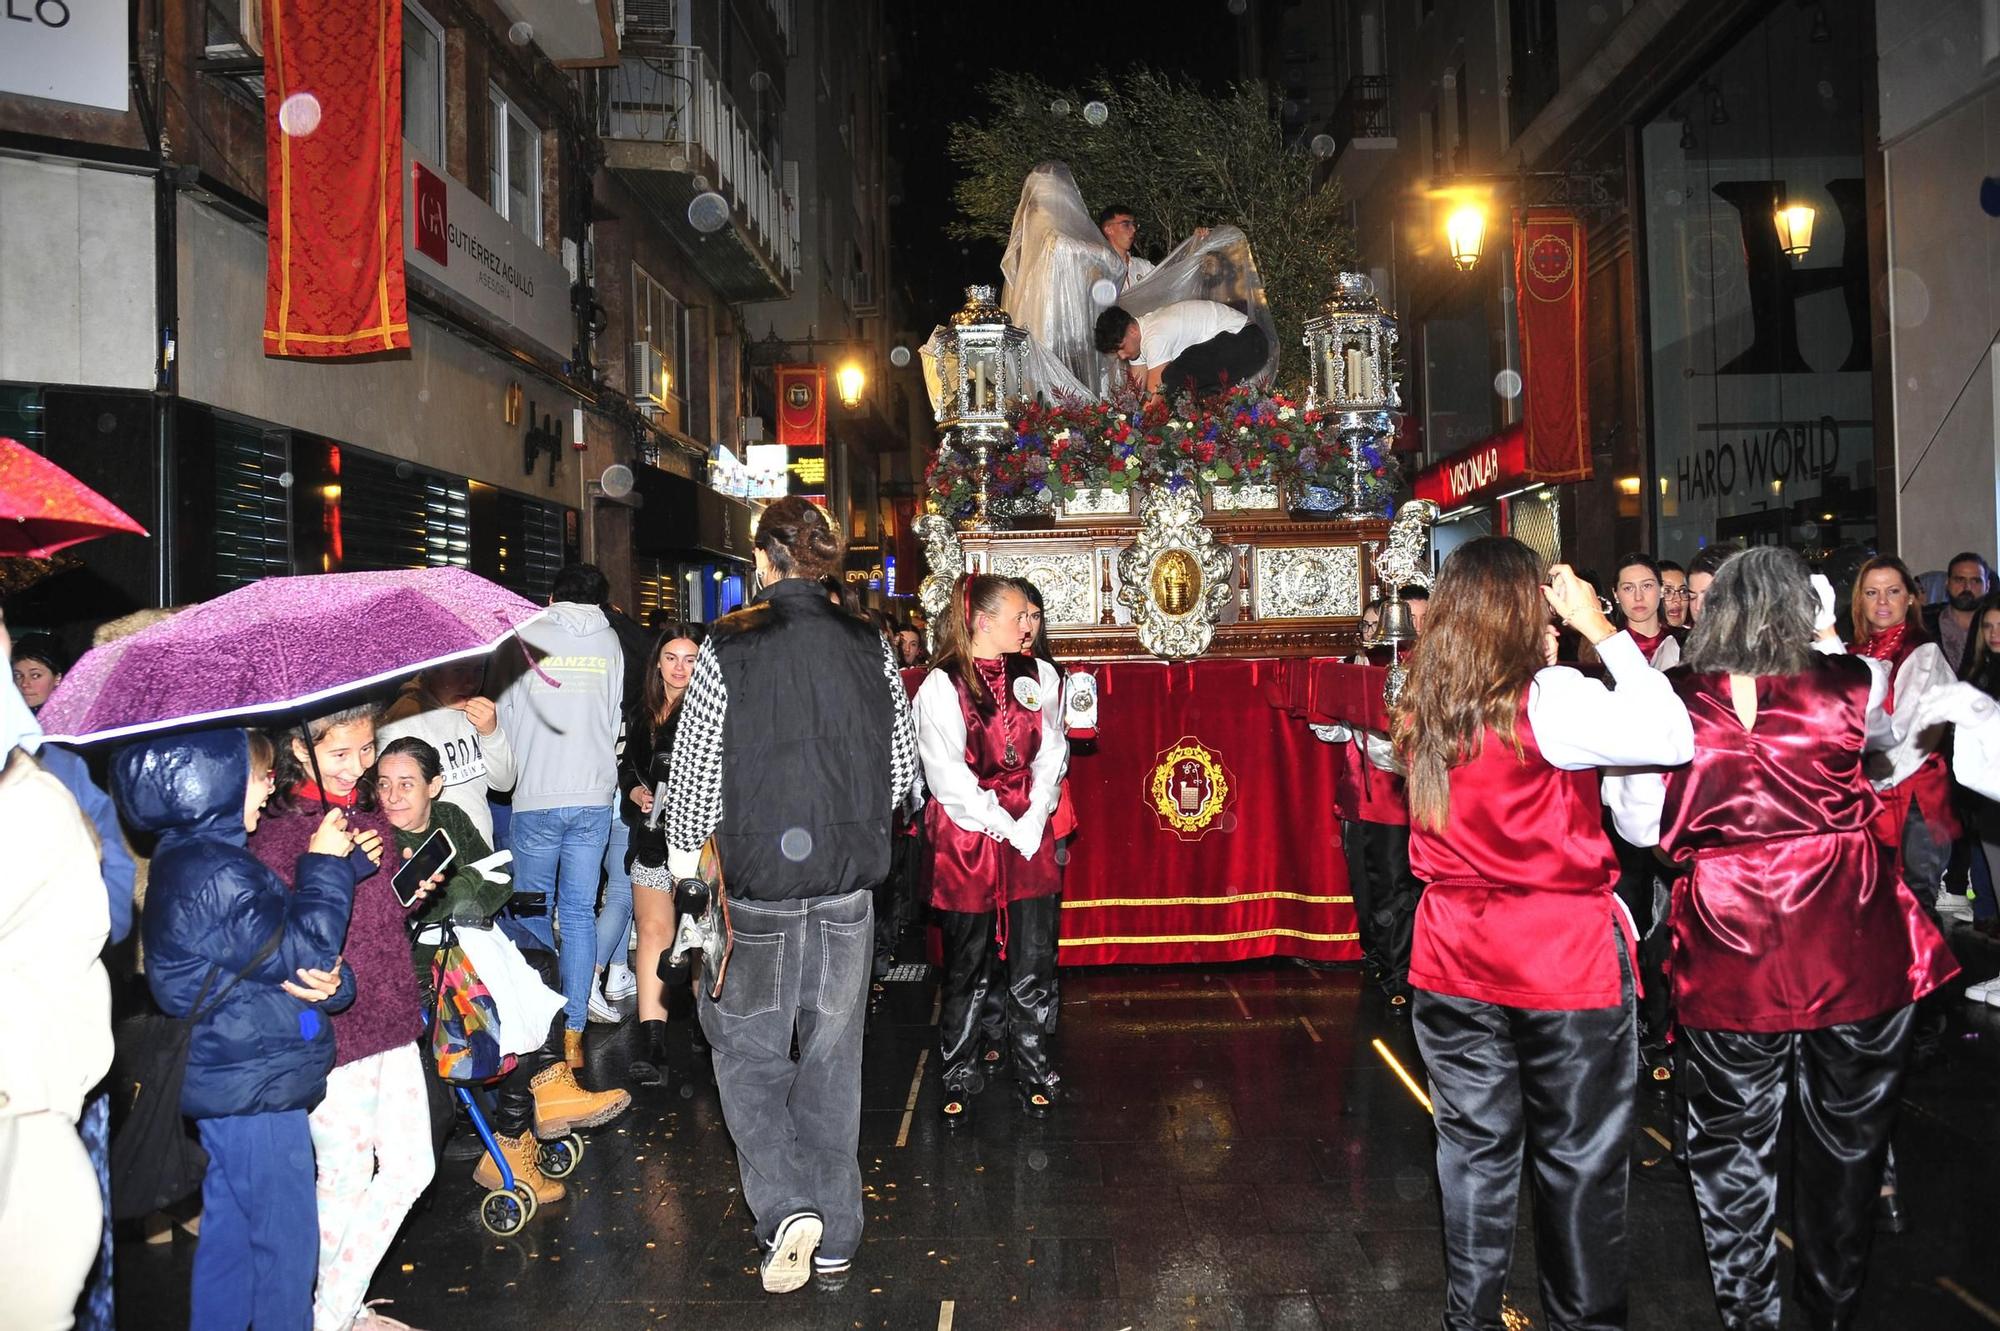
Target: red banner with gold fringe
<point>1205,826</point>
<point>333,138</point>
<point>1555,392</point>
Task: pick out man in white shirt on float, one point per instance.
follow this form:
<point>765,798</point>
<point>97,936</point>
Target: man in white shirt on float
<point>1201,345</point>
<point>1121,228</point>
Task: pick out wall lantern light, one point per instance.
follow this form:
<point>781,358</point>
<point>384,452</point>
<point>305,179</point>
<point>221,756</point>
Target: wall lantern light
<point>1465,233</point>
<point>850,379</point>
<point>1795,228</point>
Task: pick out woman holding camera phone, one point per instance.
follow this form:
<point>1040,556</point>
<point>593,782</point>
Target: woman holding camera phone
<point>540,1095</point>
<point>649,749</point>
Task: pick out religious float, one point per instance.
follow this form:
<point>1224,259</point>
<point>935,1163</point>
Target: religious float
<point>1190,553</point>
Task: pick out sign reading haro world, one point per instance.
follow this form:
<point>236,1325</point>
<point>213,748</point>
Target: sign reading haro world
<point>66,50</point>
<point>453,239</point>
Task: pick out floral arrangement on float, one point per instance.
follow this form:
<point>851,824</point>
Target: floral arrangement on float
<point>1240,439</point>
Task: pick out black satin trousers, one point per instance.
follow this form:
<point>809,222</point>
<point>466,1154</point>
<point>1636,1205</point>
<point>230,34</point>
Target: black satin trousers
<point>973,968</point>
<point>1844,1083</point>
<point>1557,1088</point>
<point>1385,892</point>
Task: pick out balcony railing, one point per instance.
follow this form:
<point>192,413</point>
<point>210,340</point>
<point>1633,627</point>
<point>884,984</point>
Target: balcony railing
<point>672,99</point>
<point>1364,110</point>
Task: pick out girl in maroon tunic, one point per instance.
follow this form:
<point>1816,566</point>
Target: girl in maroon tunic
<point>991,739</point>
<point>1522,964</point>
<point>1797,952</point>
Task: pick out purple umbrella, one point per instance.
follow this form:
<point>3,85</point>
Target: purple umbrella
<point>283,644</point>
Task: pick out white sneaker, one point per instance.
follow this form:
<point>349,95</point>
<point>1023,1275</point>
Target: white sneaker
<point>1993,995</point>
<point>619,981</point>
<point>789,1263</point>
<point>602,1011</point>
<point>1978,993</point>
<point>1954,904</point>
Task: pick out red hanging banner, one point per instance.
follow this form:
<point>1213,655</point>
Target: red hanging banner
<point>802,406</point>
<point>1548,294</point>
<point>333,142</point>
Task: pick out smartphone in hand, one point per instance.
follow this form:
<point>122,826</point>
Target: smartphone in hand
<point>428,859</point>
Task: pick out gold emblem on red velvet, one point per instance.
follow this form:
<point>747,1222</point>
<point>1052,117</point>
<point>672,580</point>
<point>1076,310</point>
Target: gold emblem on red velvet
<point>1188,789</point>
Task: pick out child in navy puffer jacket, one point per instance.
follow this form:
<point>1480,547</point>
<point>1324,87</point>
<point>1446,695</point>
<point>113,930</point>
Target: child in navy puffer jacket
<point>258,1061</point>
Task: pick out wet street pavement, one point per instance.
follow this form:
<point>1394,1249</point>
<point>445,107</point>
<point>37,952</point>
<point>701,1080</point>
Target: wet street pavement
<point>1237,1152</point>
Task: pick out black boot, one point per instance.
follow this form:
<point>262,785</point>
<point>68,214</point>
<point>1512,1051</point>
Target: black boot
<point>649,1061</point>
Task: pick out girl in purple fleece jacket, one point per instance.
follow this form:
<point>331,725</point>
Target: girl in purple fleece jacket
<point>371,1134</point>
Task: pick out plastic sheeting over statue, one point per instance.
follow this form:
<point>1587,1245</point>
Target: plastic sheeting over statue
<point>1061,274</point>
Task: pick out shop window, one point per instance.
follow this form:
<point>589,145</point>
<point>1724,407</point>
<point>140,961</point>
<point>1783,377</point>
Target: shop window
<point>668,329</point>
<point>423,83</point>
<point>655,592</point>
<point>1760,362</point>
<point>514,166</point>
<point>251,525</point>
<point>1532,41</point>
<point>531,546</point>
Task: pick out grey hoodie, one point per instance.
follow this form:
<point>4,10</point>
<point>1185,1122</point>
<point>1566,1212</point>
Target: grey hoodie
<point>565,734</point>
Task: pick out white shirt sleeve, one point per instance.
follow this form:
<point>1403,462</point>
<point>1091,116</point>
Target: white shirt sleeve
<point>1051,758</point>
<point>1579,723</point>
<point>1900,741</point>
<point>941,751</point>
<point>1975,746</point>
<point>1636,800</point>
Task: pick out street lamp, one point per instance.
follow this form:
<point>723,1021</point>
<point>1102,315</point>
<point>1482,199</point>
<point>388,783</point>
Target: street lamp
<point>850,379</point>
<point>1465,233</point>
<point>1795,228</point>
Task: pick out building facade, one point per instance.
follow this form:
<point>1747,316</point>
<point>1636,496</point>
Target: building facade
<point>1939,314</point>
<point>1733,390</point>
<point>635,169</point>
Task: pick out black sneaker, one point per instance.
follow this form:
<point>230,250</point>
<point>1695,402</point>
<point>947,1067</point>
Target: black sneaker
<point>830,1273</point>
<point>788,1262</point>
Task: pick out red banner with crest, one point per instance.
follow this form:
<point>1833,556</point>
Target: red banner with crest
<point>802,406</point>
<point>1548,295</point>
<point>333,139</point>
<point>1204,829</point>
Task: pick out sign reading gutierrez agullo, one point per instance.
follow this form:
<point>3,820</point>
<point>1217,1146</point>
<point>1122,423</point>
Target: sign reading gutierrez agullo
<point>66,50</point>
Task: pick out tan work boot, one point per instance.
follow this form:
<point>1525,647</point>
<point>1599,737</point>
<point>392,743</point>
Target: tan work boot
<point>562,1106</point>
<point>573,1048</point>
<point>520,1152</point>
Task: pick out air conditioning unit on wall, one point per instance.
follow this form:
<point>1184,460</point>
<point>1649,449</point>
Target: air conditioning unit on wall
<point>649,383</point>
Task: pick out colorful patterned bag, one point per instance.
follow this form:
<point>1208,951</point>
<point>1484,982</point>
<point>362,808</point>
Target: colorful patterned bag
<point>465,1031</point>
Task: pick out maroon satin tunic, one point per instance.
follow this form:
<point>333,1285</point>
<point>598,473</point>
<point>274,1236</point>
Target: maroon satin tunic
<point>970,871</point>
<point>1793,917</point>
<point>1519,908</point>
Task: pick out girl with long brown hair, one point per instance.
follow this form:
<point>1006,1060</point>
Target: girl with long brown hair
<point>1917,821</point>
<point>1522,963</point>
<point>991,739</point>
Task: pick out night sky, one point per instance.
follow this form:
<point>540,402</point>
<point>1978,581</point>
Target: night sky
<point>945,51</point>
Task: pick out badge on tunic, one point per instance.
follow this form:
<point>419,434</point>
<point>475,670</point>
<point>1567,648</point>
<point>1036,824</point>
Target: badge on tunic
<point>1188,789</point>
<point>1080,705</point>
<point>1028,692</point>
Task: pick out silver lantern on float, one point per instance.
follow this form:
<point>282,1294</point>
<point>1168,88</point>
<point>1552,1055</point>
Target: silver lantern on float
<point>1351,345</point>
<point>1406,562</point>
<point>982,363</point>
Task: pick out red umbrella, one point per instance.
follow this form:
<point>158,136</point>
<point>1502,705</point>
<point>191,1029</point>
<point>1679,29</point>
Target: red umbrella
<point>43,508</point>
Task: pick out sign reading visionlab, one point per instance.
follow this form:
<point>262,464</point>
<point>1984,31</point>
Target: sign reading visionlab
<point>455,241</point>
<point>66,50</point>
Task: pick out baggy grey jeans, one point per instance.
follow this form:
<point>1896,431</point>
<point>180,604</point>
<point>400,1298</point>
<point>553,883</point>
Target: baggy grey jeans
<point>797,966</point>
